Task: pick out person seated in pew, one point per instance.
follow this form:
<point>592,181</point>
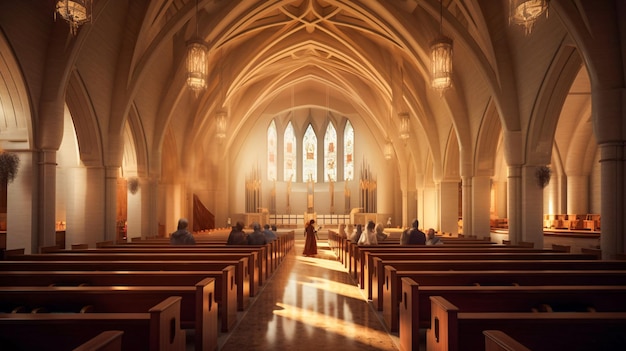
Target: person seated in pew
<point>256,237</point>
<point>432,239</point>
<point>342,230</point>
<point>182,236</point>
<point>369,236</point>
<point>416,236</point>
<point>356,234</point>
<point>237,235</point>
<point>269,234</point>
<point>380,232</point>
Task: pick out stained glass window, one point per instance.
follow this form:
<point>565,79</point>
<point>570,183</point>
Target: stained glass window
<point>348,152</point>
<point>290,154</point>
<point>309,155</point>
<point>330,154</point>
<point>272,150</point>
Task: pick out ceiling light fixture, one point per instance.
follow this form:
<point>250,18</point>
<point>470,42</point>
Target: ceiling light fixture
<point>74,12</point>
<point>441,59</point>
<point>197,57</point>
<point>526,12</point>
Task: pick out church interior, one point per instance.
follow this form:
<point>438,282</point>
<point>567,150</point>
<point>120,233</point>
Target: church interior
<point>494,119</point>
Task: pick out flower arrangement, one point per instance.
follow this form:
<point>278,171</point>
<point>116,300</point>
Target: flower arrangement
<point>543,174</point>
<point>133,185</point>
<point>9,164</point>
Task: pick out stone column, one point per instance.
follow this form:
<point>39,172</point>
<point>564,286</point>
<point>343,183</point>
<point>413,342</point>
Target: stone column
<point>514,198</point>
<point>46,235</point>
<point>467,204</point>
<point>613,209</point>
<point>532,207</point>
<point>481,203</point>
<point>110,195</point>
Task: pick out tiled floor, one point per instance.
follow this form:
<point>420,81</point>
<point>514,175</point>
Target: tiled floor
<point>310,303</point>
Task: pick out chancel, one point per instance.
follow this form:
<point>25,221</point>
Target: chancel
<point>497,124</point>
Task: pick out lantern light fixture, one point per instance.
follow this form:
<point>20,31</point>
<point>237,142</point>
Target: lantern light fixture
<point>441,59</point>
<point>74,12</point>
<point>527,12</point>
<point>405,127</point>
<point>220,122</point>
<point>388,150</point>
<point>197,61</point>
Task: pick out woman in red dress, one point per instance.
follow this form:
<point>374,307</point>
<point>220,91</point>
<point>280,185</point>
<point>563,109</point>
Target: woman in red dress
<point>310,241</point>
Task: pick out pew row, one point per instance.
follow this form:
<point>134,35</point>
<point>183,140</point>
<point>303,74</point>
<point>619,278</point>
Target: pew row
<point>415,305</point>
<point>452,329</point>
<point>198,309</point>
<point>392,289</point>
<point>129,273</point>
<point>143,262</point>
<point>156,329</point>
<point>378,279</point>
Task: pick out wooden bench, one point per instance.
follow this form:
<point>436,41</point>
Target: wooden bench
<point>110,340</point>
<point>392,289</point>
<point>378,272</point>
<point>198,310</point>
<point>156,329</point>
<point>415,306</point>
<point>247,271</point>
<point>151,262</point>
<point>367,257</point>
<point>134,273</point>
<point>452,329</point>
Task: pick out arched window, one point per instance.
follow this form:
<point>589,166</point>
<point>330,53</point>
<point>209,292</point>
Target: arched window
<point>289,152</point>
<point>309,155</point>
<point>330,153</point>
<point>348,152</point>
<point>272,150</point>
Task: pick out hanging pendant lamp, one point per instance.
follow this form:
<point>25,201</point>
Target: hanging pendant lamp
<point>197,58</point>
<point>441,59</point>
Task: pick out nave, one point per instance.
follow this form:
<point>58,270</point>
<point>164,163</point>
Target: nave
<point>310,303</point>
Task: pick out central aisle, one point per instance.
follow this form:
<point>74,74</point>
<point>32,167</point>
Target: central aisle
<point>310,303</point>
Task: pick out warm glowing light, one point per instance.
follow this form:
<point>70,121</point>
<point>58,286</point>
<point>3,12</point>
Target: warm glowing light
<point>441,61</point>
<point>220,120</point>
<point>388,151</point>
<point>405,126</point>
<point>197,57</point>
<point>75,12</point>
<point>526,12</point>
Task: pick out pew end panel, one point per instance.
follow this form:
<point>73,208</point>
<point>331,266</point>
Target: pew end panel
<point>408,330</point>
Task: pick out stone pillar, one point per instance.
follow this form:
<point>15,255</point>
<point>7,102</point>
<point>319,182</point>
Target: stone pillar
<point>481,203</point>
<point>85,206</point>
<point>532,207</point>
<point>467,206</point>
<point>501,199</point>
<point>613,209</point>
<point>449,204</point>
<point>110,195</point>
<point>514,198</point>
<point>577,194</point>
<point>46,234</point>
<point>134,221</point>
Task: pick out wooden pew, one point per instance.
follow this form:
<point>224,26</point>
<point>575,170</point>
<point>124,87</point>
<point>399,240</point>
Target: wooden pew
<point>264,256</point>
<point>415,306</point>
<point>378,271</point>
<point>156,329</point>
<point>244,280</point>
<point>452,329</point>
<point>131,273</point>
<point>247,270</point>
<point>495,340</point>
<point>198,309</point>
<point>110,340</point>
<point>392,290</point>
<point>367,256</point>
